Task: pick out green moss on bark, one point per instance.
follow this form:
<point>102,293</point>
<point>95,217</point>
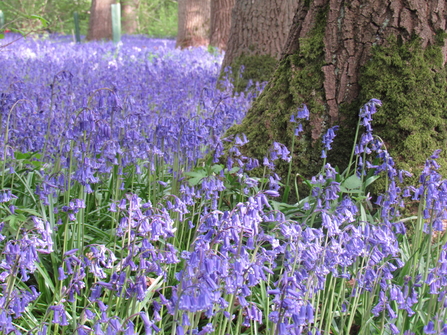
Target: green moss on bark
<point>297,80</point>
<point>257,68</point>
<point>412,83</point>
<point>410,80</point>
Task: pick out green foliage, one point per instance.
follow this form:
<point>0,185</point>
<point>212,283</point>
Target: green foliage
<point>420,252</point>
<point>57,15</point>
<point>420,249</point>
<point>156,18</point>
<point>213,50</point>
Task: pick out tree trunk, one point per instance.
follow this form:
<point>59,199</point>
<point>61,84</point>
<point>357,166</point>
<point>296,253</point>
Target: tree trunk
<point>100,24</point>
<point>257,35</point>
<point>129,9</point>
<point>193,23</point>
<point>340,54</point>
<point>220,22</point>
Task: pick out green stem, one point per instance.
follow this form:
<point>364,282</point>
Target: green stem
<point>285,197</point>
<point>353,147</point>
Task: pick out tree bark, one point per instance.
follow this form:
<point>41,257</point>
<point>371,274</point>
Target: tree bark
<point>220,22</point>
<point>338,55</point>
<point>129,10</point>
<point>259,28</point>
<point>193,23</point>
<point>352,28</point>
<point>100,24</point>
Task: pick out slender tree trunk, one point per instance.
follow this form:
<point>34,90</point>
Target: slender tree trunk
<point>193,23</point>
<point>259,28</point>
<point>220,22</point>
<point>338,55</point>
<point>129,10</point>
<point>100,24</point>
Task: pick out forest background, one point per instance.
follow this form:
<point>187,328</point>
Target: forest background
<point>155,18</point>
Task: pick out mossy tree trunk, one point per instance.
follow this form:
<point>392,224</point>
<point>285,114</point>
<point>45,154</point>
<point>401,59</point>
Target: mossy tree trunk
<point>220,22</point>
<point>257,36</point>
<point>338,55</point>
<point>193,23</point>
<point>100,23</point>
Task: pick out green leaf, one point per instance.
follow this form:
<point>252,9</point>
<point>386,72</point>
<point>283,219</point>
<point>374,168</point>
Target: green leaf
<point>345,190</point>
<point>371,180</point>
<point>14,30</point>
<point>194,181</point>
<point>363,216</point>
<point>29,211</point>
<point>36,164</point>
<point>196,174</point>
<point>26,155</point>
<point>353,182</point>
<point>217,168</point>
<point>2,36</point>
<point>99,236</point>
<point>15,220</point>
<point>21,155</point>
<point>281,205</point>
<point>47,280</point>
<point>235,169</point>
<point>40,18</point>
